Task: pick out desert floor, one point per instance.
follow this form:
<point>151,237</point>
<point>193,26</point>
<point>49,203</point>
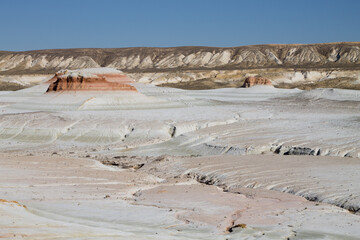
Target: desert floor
<point>164,163</point>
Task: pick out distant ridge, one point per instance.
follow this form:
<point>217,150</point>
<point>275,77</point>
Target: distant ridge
<point>144,59</point>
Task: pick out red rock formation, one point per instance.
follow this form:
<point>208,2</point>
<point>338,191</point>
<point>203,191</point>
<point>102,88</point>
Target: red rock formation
<point>80,83</point>
<point>77,81</point>
<point>113,77</point>
<point>57,74</point>
<point>252,81</point>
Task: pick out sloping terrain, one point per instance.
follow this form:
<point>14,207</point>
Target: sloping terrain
<point>178,164</point>
<point>296,65</point>
<point>330,55</point>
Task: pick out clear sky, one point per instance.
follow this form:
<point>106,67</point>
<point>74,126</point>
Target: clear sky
<point>46,24</point>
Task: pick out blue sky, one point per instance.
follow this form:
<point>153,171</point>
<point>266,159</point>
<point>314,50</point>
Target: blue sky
<point>46,24</point>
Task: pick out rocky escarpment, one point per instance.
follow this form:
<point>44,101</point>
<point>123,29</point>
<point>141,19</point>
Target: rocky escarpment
<point>284,65</point>
<point>252,81</point>
<point>90,80</point>
<point>334,55</point>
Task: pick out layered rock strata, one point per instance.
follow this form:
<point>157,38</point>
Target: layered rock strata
<point>311,56</point>
<point>90,80</point>
<point>252,81</point>
<point>305,66</point>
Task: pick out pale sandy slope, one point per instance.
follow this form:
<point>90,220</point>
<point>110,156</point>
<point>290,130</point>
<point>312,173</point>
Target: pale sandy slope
<point>60,198</point>
<point>186,122</point>
<point>218,126</point>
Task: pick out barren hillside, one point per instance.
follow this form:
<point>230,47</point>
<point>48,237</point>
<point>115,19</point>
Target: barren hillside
<point>329,55</point>
<point>174,65</point>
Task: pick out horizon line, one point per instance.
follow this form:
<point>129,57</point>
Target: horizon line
<point>265,44</point>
